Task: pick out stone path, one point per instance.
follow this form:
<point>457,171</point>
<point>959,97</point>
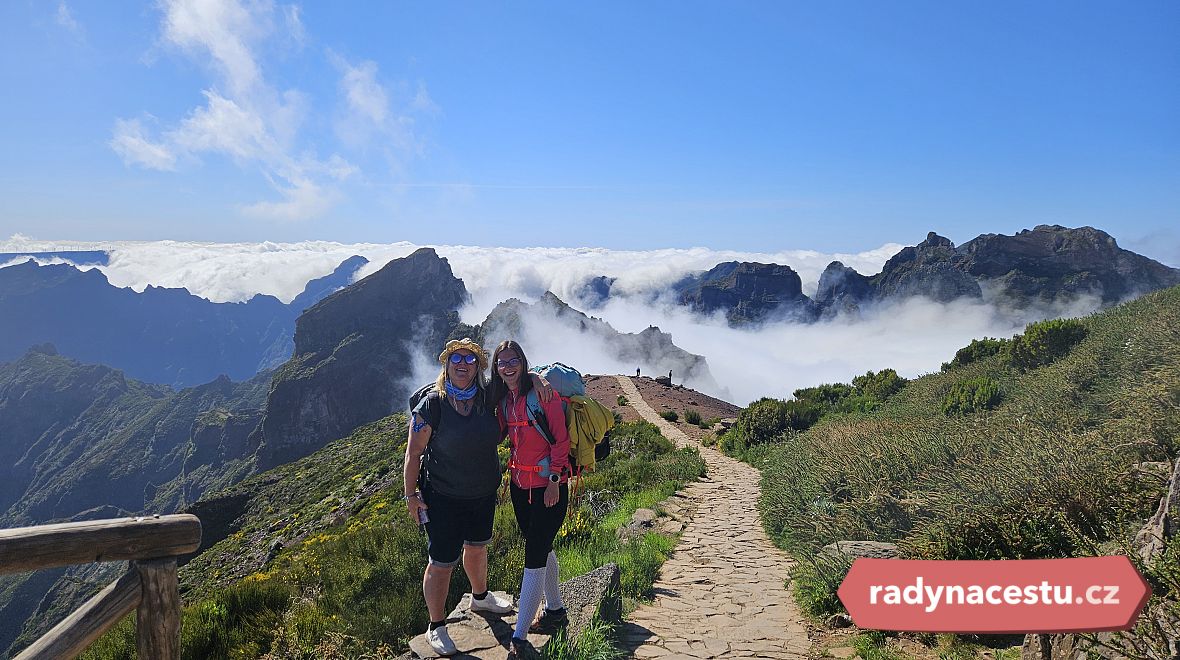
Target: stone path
<point>721,593</point>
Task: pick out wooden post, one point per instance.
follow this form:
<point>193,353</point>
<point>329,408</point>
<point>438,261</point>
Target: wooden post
<point>157,625</point>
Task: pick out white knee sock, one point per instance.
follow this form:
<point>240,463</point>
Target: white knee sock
<point>552,593</point>
<point>530,599</point>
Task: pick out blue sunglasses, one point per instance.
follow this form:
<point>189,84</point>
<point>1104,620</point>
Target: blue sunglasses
<point>470,358</point>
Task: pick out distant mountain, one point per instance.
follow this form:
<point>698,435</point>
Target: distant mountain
<point>83,441</point>
<point>747,292</point>
<point>320,288</point>
<point>651,349</point>
<point>162,335</point>
<point>76,257</point>
<point>1047,264</point>
<point>1051,261</point>
<point>353,354</point>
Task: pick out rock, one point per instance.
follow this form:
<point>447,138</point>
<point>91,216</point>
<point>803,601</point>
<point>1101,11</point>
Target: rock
<point>642,522</point>
<point>596,592</point>
<point>663,380</point>
<point>1151,540</point>
<point>842,288</point>
<point>927,269</point>
<point>348,348</point>
<point>841,652</point>
<point>838,621</point>
<point>1050,262</point>
<point>747,292</point>
<point>874,549</point>
<point>480,635</point>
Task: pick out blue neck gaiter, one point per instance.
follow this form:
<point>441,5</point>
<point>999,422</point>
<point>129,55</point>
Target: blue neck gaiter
<point>461,395</point>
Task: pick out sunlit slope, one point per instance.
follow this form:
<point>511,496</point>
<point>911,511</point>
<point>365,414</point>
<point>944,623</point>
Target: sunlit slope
<point>1052,470</point>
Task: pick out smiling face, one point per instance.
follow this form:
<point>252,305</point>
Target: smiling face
<point>462,375</point>
<point>510,367</point>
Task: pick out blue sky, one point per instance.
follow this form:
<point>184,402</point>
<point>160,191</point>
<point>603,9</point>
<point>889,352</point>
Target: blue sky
<point>759,126</point>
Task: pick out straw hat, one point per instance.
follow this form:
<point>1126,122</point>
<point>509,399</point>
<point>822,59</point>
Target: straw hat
<point>461,344</point>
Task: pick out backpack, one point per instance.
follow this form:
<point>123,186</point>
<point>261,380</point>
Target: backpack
<point>587,421</point>
<point>433,416</point>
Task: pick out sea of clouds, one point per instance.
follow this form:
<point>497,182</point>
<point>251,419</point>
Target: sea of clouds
<point>773,359</point>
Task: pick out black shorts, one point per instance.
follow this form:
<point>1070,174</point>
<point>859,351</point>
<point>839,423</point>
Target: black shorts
<point>455,522</point>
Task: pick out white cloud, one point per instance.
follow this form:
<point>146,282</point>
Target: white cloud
<point>65,18</point>
<point>293,15</point>
<point>372,114</point>
<point>224,29</point>
<point>136,148</point>
<point>249,119</point>
<point>914,336</point>
<point>226,127</point>
<point>303,200</point>
<point>366,97</point>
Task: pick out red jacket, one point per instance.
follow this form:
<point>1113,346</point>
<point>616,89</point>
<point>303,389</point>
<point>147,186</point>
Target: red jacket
<point>529,446</point>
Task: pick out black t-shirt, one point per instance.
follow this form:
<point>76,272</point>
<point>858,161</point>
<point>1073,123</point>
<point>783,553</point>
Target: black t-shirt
<point>461,458</point>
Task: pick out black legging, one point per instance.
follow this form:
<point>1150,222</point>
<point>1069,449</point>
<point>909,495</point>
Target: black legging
<point>538,523</point>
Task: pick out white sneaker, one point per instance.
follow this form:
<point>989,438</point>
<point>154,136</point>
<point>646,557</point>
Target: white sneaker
<point>491,604</point>
<point>440,641</point>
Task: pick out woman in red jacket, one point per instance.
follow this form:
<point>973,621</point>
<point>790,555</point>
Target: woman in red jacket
<point>538,472</point>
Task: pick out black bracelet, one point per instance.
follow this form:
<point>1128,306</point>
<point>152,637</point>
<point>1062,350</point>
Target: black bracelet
<point>413,494</point>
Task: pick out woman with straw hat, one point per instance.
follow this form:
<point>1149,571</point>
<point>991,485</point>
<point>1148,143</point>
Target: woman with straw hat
<point>457,500</point>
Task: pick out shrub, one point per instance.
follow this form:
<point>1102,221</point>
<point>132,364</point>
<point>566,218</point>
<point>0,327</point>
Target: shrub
<point>971,395</point>
<point>760,422</point>
<point>815,581</point>
<point>879,385</point>
<point>828,394</point>
<point>622,400</point>
<point>670,415</point>
<point>692,416</point>
<point>1046,341</point>
<point>976,351</point>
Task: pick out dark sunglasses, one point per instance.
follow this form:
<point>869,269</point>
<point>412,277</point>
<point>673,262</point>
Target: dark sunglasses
<point>514,362</point>
<point>470,358</point>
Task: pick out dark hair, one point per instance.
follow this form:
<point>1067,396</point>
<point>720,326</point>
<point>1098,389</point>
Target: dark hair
<point>497,388</point>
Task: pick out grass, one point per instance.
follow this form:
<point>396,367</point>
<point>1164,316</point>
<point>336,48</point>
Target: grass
<point>1045,473</point>
<point>352,587</point>
<point>596,642</point>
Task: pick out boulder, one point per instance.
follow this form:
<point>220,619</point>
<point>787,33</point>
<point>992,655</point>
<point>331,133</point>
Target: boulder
<point>854,549</point>
<point>594,594</point>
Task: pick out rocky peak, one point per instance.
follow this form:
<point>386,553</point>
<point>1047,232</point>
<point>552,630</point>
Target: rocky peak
<point>746,291</point>
<point>1051,261</point>
<point>352,354</point>
<point>839,283</point>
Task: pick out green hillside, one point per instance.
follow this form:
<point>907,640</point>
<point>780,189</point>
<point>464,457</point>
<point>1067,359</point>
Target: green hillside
<point>317,558</point>
<point>1021,449</point>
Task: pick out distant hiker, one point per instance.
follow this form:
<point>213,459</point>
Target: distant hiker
<point>538,477</point>
<point>637,372</point>
<point>462,473</point>
<point>669,376</point>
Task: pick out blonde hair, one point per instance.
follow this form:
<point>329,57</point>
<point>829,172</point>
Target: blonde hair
<point>481,356</point>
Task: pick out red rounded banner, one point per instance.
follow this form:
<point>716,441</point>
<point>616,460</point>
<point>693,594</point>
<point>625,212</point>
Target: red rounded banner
<point>1088,594</point>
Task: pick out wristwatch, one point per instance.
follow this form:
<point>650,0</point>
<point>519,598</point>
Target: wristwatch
<point>555,478</point>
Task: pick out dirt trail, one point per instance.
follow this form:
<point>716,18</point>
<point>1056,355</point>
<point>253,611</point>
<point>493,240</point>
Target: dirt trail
<point>721,593</point>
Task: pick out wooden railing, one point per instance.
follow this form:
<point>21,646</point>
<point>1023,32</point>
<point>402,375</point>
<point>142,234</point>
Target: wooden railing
<point>150,587</point>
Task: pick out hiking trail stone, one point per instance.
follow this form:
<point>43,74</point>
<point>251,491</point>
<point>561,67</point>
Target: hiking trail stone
<point>721,594</point>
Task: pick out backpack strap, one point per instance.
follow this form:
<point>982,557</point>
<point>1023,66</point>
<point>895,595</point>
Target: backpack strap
<point>532,405</point>
<point>433,410</point>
